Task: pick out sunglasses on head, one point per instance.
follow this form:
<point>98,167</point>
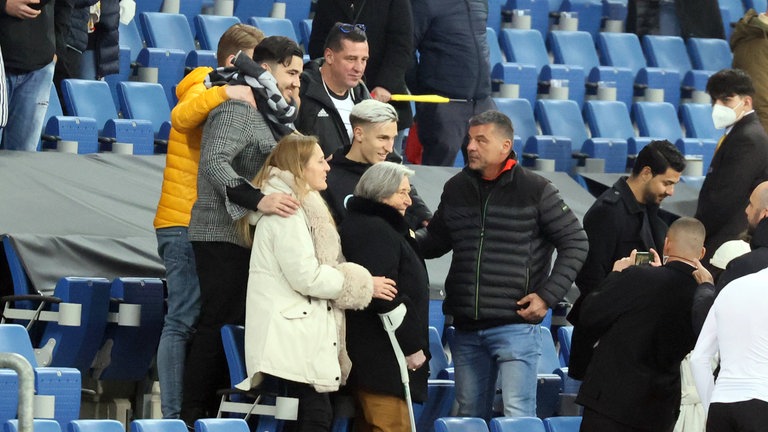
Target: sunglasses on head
<point>347,28</point>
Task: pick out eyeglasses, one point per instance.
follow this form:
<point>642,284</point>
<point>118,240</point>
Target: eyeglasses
<point>348,28</point>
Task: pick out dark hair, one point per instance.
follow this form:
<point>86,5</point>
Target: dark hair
<point>276,49</point>
<point>659,156</point>
<point>500,120</point>
<point>729,82</point>
<point>342,31</point>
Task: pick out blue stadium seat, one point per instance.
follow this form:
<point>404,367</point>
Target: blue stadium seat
<point>305,31</point>
<point>130,36</point>
<point>607,119</point>
<point>669,52</point>
<point>158,425</point>
<point>539,11</point>
<point>61,386</point>
<point>125,70</point>
<point>95,426</point>
<point>577,48</point>
<point>460,424</point>
<point>735,10</point>
<point>758,5</point>
<point>146,101</point>
<point>441,395</point>
<point>659,121</point>
<point>521,114</point>
<point>274,27</point>
<point>439,360</point>
<point>697,120</point>
<point>504,72</point>
<point>244,9</point>
<point>90,98</point>
<point>210,28</point>
<point>297,11</point>
<point>39,425</point>
<point>221,425</point>
<point>624,50</point>
<point>169,31</point>
<point>562,424</point>
<point>564,336</point>
<point>191,9</point>
<point>170,64</point>
<point>590,15</point>
<point>709,54</point>
<point>436,316</point>
<point>128,348</point>
<point>562,118</point>
<point>146,6</point>
<point>58,127</point>
<point>199,58</point>
<point>517,424</point>
<point>550,377</point>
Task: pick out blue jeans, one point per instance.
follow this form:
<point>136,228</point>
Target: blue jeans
<point>512,351</point>
<point>28,95</point>
<point>183,310</point>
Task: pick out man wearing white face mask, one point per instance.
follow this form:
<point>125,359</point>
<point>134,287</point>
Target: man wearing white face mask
<point>740,162</point>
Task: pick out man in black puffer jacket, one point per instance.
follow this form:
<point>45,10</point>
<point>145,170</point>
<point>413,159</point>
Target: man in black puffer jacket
<point>502,222</point>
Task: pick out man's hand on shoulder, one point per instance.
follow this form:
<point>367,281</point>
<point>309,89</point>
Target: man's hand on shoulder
<point>532,308</point>
<point>241,92</point>
<point>278,204</point>
<point>702,275</point>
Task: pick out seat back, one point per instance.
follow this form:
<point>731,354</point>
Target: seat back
<point>521,114</point>
<point>76,346</point>
<point>274,27</point>
<point>128,350</point>
<point>564,336</point>
<point>15,339</point>
<point>158,425</point>
<point>590,15</point>
<point>296,11</point>
<point>697,119</point>
<point>667,52</point>
<point>244,9</point>
<point>709,54</point>
<point>305,32</point>
<point>209,29</point>
<point>460,424</point>
<point>441,395</point>
<point>621,50</point>
<point>167,30</point>
<point>221,425</point>
<point>145,101</point>
<point>524,47</point>
<point>562,118</point>
<point>735,9</point>
<point>563,424</point>
<point>439,360</point>
<point>233,339</point>
<point>657,120</point>
<point>38,425</point>
<point>548,362</point>
<point>574,48</point>
<point>608,119</point>
<point>494,48</point>
<point>95,426</point>
<point>130,36</point>
<point>89,98</point>
<point>517,424</point>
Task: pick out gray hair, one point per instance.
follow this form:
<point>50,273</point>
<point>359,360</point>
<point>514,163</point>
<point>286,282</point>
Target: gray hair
<point>381,180</point>
<point>372,111</point>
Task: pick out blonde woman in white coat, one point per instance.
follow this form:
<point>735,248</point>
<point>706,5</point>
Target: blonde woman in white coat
<point>298,287</point>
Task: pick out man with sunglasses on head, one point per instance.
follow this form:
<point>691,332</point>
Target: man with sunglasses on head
<point>332,86</point>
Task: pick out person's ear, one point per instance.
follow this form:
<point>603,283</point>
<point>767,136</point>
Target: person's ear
<point>328,55</point>
<point>266,67</point>
<point>357,133</point>
<point>747,103</point>
<point>703,252</point>
<point>229,61</point>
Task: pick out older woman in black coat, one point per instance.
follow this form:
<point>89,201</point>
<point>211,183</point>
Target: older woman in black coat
<point>375,235</point>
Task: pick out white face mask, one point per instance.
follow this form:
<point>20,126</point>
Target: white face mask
<point>722,116</point>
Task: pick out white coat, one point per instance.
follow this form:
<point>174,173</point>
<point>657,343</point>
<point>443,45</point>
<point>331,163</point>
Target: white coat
<point>297,286</point>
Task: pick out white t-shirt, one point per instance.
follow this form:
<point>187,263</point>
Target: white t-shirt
<point>343,105</point>
<point>736,328</point>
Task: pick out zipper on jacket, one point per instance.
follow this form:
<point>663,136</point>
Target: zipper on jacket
<point>483,210</point>
<point>527,280</point>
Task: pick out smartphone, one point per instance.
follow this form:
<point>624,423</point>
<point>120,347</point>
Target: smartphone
<point>642,258</point>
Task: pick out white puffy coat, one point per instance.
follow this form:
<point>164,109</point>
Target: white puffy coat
<point>297,286</point>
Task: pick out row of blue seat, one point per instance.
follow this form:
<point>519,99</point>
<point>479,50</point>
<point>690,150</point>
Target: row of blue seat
<point>141,425</point>
<point>509,424</point>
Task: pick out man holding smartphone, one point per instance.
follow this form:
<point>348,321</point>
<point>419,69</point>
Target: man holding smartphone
<point>624,218</point>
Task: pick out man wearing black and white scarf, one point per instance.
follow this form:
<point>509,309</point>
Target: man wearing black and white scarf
<point>236,141</point>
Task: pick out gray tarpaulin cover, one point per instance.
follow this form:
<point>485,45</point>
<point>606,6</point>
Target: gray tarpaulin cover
<point>81,215</point>
<point>91,215</point>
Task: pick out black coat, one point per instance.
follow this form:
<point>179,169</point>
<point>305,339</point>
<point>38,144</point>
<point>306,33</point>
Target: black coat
<point>342,179</point>
<point>643,318</point>
<point>389,27</point>
<point>613,226</point>
<point>737,168</point>
<point>317,114</point>
<point>376,236</point>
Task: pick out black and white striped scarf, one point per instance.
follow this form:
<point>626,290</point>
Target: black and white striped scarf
<point>280,113</point>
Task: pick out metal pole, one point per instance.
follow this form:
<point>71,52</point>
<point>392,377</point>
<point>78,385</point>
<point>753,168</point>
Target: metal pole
<point>26,387</point>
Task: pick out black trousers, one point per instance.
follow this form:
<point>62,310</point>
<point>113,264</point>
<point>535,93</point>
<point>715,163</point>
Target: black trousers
<point>315,410</point>
<point>222,269</point>
<point>593,421</point>
<point>744,416</point>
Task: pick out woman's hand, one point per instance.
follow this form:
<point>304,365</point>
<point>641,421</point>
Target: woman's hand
<point>384,288</point>
<point>416,360</point>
